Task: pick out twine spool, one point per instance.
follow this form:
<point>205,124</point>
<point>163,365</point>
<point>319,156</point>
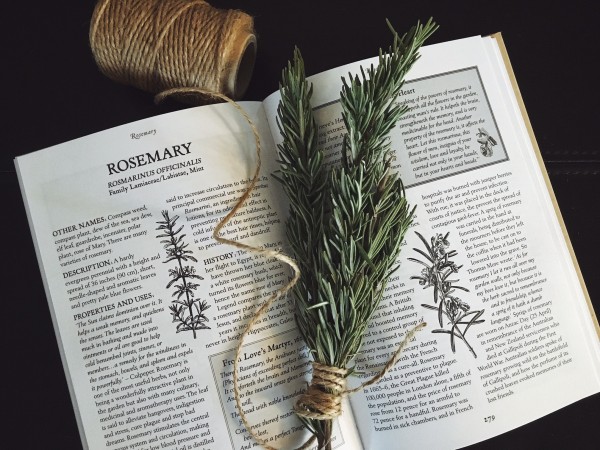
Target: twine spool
<point>157,45</point>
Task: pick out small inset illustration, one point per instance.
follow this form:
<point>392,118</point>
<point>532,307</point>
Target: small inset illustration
<point>187,311</point>
<point>454,315</point>
<point>486,142</point>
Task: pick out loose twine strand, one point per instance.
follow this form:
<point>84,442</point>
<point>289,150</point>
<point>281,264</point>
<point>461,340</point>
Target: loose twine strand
<point>191,51</point>
<point>323,398</point>
<point>267,253</point>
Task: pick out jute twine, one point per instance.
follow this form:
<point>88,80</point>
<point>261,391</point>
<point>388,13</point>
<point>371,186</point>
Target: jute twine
<point>157,45</point>
<point>192,51</point>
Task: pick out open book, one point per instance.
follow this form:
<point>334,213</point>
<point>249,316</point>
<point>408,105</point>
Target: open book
<point>148,308</point>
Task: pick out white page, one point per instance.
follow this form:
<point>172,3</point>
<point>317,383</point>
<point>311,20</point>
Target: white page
<point>492,200</point>
<point>95,205</point>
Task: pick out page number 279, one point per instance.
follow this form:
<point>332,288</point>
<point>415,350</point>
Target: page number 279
<point>489,419</point>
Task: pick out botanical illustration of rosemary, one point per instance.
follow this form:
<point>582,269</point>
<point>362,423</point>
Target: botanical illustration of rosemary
<point>436,274</point>
<point>186,309</point>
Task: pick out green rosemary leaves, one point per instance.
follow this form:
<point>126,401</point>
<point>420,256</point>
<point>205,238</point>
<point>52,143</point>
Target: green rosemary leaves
<point>346,224</point>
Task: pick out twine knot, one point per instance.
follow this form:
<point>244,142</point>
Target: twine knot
<point>323,398</point>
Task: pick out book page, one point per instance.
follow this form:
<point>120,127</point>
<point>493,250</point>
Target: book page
<point>148,308</point>
<point>509,337</point>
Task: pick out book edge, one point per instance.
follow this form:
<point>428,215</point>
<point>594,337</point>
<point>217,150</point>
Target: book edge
<point>504,53</point>
<point>55,327</point>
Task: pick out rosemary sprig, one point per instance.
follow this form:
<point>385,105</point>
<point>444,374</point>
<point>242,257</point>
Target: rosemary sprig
<point>345,225</point>
<point>302,175</point>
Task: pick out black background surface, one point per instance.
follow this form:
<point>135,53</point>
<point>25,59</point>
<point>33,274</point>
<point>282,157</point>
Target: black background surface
<point>52,92</point>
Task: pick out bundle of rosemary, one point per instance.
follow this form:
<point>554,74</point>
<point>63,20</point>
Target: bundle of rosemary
<point>346,224</point>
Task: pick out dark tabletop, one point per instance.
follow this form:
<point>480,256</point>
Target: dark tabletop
<point>52,92</point>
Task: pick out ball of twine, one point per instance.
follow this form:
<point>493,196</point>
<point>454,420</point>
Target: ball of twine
<point>160,45</point>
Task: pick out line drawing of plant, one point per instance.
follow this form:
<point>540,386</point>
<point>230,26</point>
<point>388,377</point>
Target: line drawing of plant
<point>486,142</point>
<point>438,268</point>
<point>186,310</point>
